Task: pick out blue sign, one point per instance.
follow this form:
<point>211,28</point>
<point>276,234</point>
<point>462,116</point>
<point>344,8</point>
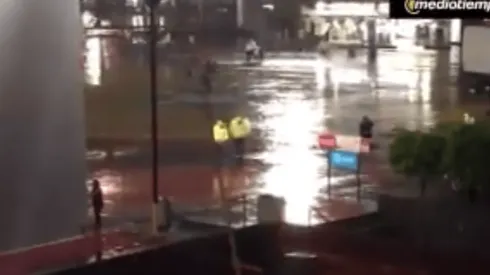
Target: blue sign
<point>344,160</point>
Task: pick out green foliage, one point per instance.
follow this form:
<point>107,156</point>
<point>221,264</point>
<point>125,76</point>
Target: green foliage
<point>418,154</point>
<point>402,152</point>
<point>429,154</point>
<point>468,156</point>
<point>447,128</point>
<point>456,149</point>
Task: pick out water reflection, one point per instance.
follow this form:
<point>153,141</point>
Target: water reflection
<point>93,61</point>
<point>110,182</point>
<point>294,172</point>
<point>291,100</point>
<point>103,53</point>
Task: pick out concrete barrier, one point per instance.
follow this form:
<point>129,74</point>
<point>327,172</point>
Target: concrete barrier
<point>448,225</point>
<point>258,249</point>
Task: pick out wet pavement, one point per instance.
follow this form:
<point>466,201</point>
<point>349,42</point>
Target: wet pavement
<point>67,253</point>
<point>290,98</point>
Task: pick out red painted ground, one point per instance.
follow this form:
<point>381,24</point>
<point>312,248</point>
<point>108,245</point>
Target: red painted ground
<point>130,188</point>
<point>65,253</point>
<point>124,191</point>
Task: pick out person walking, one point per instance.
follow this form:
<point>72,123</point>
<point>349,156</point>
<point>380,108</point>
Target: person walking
<point>209,69</point>
<point>251,50</point>
<point>97,203</point>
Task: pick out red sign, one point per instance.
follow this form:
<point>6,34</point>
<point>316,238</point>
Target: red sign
<point>327,141</point>
<point>349,143</point>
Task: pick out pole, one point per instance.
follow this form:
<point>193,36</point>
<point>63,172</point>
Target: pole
<point>329,173</point>
<point>200,6</point>
<point>153,38</point>
<point>371,40</point>
<point>358,177</point>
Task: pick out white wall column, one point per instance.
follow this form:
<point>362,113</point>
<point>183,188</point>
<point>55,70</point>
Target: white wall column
<point>239,13</point>
<point>42,166</point>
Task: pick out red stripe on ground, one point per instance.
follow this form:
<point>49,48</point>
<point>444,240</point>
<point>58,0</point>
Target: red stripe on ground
<point>64,254</point>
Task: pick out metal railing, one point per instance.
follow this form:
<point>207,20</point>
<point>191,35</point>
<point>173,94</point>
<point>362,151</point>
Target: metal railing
<point>239,210</point>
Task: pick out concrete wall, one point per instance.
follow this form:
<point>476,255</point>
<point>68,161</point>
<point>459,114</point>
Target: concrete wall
<point>258,246</point>
<point>445,224</point>
<point>472,85</point>
<point>42,192</point>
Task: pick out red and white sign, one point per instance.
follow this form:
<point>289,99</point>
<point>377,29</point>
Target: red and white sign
<point>353,143</point>
<point>327,141</point>
<point>349,143</point>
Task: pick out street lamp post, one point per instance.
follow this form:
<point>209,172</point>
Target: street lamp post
<point>153,67</point>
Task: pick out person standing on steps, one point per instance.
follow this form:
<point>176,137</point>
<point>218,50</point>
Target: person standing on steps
<point>97,198</point>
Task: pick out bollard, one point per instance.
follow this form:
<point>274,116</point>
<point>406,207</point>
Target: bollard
<point>165,217</point>
<point>271,217</point>
<point>270,209</point>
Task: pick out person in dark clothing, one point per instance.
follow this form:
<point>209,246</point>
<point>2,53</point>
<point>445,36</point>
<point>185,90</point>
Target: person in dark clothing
<point>97,203</point>
<point>351,52</point>
<point>239,144</point>
<point>206,77</point>
<point>366,127</point>
<point>210,66</point>
<point>239,128</point>
<point>206,82</point>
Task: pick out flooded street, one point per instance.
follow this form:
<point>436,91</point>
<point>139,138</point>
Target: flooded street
<point>290,98</point>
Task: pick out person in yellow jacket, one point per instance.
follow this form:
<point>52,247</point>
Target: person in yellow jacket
<point>220,132</point>
<point>239,129</point>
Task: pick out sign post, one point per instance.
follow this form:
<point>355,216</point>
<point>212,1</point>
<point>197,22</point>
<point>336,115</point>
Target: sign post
<point>327,141</point>
<point>344,153</point>
<point>329,174</point>
<point>347,161</point>
<point>358,177</point>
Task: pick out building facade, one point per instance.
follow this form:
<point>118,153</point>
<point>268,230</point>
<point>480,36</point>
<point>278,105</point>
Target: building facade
<point>42,188</point>
<point>474,69</point>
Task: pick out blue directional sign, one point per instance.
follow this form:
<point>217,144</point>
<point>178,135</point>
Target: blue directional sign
<point>344,160</point>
